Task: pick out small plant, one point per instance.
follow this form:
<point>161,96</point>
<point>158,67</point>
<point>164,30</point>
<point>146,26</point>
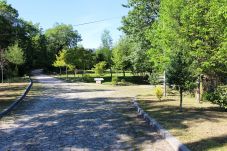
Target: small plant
<point>158,93</point>
<point>115,80</point>
<point>100,68</point>
<point>87,78</point>
<point>122,83</point>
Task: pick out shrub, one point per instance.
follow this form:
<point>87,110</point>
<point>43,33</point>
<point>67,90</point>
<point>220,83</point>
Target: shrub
<point>115,80</point>
<point>158,93</point>
<point>100,67</point>
<point>153,79</point>
<point>123,82</point>
<point>87,78</point>
<point>219,96</point>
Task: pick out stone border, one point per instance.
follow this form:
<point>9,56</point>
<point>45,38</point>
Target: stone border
<point>13,105</point>
<point>175,143</point>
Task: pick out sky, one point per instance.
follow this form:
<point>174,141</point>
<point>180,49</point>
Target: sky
<point>74,12</point>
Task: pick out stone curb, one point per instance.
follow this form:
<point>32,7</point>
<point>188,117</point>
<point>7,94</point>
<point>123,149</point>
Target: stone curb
<point>174,142</point>
<point>13,105</point>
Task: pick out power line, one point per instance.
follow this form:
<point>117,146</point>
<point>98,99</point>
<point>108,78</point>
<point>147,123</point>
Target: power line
<point>96,21</point>
<point>86,23</point>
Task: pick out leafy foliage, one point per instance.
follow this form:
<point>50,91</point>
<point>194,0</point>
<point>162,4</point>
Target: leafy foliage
<point>219,96</point>
<point>115,80</point>
<point>158,93</point>
<point>15,55</point>
<point>100,68</point>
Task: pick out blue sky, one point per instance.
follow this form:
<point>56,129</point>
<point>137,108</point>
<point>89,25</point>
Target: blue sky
<point>49,12</point>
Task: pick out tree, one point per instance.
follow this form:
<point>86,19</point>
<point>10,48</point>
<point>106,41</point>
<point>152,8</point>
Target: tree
<point>121,53</point>
<point>200,26</point>
<point>15,55</point>
<point>106,40</point>
<point>8,22</point>
<point>204,27</point>
<point>59,37</point>
<point>179,72</point>
<point>2,64</point>
<point>140,17</point>
<point>105,51</point>
<point>100,68</point>
<point>60,61</point>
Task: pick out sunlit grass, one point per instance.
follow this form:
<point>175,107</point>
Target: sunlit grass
<point>90,75</point>
<point>10,92</point>
<point>201,126</point>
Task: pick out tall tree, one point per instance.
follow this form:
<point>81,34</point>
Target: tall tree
<point>59,37</point>
<point>121,53</point>
<point>60,60</point>
<point>106,49</point>
<point>15,55</point>
<point>141,15</point>
<point>8,22</point>
<point>179,72</point>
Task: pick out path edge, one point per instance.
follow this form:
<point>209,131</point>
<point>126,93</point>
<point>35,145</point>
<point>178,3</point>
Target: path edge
<point>14,104</point>
<point>173,141</point>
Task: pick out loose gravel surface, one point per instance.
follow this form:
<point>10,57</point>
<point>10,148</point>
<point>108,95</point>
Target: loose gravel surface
<point>78,116</point>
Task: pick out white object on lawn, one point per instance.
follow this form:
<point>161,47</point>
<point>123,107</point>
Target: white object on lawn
<point>98,80</point>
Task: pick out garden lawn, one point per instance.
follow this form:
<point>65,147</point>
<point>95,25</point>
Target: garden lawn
<point>201,126</point>
<point>89,77</point>
<point>9,92</point>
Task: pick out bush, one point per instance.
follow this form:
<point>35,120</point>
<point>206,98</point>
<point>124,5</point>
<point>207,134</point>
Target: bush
<point>87,78</point>
<point>100,68</point>
<point>115,80</point>
<point>122,83</point>
<point>219,96</point>
<point>158,93</point>
<point>153,79</point>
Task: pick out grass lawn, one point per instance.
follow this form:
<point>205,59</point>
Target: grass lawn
<point>201,126</point>
<point>9,92</point>
<point>89,77</point>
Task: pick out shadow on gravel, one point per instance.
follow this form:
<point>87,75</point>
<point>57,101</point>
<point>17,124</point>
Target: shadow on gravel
<point>92,125</point>
<point>53,123</point>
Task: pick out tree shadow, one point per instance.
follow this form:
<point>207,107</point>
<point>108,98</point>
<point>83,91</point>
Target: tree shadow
<point>209,143</point>
<point>57,123</point>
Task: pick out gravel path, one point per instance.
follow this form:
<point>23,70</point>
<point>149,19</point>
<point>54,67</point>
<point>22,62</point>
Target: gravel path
<point>69,116</point>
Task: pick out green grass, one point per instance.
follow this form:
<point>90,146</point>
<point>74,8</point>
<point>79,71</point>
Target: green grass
<point>201,126</point>
<point>89,77</point>
<point>9,92</point>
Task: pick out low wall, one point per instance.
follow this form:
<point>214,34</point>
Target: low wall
<point>14,104</point>
<point>174,142</point>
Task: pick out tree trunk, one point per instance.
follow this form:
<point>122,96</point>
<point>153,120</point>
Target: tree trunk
<point>124,73</point>
<point>2,74</point>
<point>111,73</point>
<point>66,70</point>
<point>198,90</point>
<point>60,71</point>
<point>181,99</point>
<point>74,73</point>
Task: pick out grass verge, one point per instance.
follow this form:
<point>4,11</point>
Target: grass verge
<point>201,126</point>
<point>9,92</point>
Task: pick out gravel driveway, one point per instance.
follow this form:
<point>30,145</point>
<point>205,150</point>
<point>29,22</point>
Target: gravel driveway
<point>78,116</point>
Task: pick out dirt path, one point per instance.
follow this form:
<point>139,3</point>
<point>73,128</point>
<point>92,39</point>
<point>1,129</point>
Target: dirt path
<point>78,117</point>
